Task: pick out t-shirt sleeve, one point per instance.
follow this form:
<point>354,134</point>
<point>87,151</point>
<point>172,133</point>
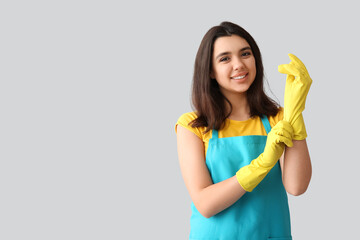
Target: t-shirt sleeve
<point>184,121</point>
<point>278,117</point>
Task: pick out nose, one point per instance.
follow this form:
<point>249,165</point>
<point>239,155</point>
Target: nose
<point>238,64</point>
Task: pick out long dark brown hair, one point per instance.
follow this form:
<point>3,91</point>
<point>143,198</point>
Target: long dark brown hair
<point>207,99</point>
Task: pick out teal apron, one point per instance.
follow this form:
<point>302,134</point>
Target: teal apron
<point>257,215</point>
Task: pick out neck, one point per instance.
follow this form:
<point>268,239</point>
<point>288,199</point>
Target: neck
<point>240,107</point>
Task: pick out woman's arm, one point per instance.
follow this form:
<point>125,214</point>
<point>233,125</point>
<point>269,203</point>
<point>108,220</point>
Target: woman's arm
<point>208,198</point>
<point>296,168</point>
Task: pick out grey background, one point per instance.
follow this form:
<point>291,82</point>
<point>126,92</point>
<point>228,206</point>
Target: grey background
<point>90,92</point>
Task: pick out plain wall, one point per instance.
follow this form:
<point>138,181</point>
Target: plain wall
<point>91,90</point>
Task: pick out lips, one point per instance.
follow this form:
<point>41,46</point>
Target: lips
<point>239,76</point>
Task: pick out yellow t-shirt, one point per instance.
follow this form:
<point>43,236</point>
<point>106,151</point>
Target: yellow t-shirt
<point>232,128</point>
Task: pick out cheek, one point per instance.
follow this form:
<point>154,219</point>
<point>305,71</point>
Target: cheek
<point>220,72</point>
<point>225,71</point>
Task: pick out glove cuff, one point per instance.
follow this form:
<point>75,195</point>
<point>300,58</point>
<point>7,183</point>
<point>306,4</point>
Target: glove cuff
<point>299,128</point>
<point>251,175</point>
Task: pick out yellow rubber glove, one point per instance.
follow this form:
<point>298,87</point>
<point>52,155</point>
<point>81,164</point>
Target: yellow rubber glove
<point>297,86</point>
<point>251,175</point>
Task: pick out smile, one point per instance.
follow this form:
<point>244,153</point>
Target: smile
<point>239,77</point>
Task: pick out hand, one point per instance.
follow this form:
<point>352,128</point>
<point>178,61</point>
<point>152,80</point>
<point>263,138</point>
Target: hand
<point>251,175</point>
<point>279,136</point>
<point>297,86</point>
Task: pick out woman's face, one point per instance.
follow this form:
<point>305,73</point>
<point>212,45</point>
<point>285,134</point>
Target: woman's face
<point>233,64</point>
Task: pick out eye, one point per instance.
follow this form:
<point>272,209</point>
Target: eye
<point>245,54</point>
<point>224,59</point>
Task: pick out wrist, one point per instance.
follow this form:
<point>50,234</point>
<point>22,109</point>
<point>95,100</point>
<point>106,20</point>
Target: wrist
<point>299,128</point>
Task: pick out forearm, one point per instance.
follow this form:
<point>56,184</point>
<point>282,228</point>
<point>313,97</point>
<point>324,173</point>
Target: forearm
<point>296,168</point>
<point>209,198</point>
<point>217,197</point>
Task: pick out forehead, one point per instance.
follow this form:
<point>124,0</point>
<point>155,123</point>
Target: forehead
<point>231,43</point>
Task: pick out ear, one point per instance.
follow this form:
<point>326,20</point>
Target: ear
<point>212,75</point>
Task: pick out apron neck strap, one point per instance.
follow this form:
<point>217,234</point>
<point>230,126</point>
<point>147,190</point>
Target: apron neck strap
<point>266,123</point>
<point>214,134</point>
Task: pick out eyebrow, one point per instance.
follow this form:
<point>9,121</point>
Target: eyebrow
<point>226,53</point>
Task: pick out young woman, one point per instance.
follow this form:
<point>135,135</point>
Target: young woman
<point>230,146</point>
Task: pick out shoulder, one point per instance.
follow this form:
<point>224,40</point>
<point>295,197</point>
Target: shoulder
<point>278,117</point>
<point>185,119</point>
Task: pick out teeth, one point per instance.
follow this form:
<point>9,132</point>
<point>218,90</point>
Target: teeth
<point>240,77</point>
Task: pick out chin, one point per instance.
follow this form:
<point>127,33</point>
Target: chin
<point>242,89</point>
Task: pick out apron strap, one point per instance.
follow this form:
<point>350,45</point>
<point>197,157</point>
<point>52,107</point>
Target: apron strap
<point>266,123</point>
<point>214,134</point>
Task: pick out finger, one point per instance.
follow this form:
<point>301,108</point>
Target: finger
<point>290,78</point>
<point>289,69</point>
<point>295,60</point>
<point>284,128</point>
<point>286,125</point>
<point>287,141</point>
<point>284,133</point>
